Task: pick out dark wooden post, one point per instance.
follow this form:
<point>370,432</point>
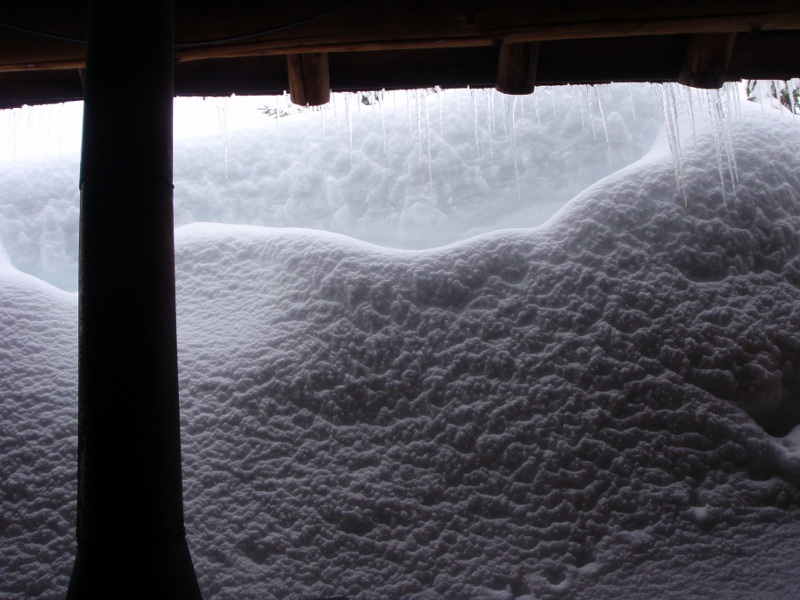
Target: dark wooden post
<point>309,78</point>
<point>130,531</point>
<point>516,71</point>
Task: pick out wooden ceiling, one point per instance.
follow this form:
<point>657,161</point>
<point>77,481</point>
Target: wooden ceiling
<point>249,46</point>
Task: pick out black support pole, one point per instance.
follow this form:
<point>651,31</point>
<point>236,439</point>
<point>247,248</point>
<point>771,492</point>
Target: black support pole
<point>130,531</point>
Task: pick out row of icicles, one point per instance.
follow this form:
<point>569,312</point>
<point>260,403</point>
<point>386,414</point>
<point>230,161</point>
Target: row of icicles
<point>680,106</point>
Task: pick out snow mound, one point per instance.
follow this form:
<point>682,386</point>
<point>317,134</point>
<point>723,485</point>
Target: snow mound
<point>590,409</point>
<point>38,435</point>
<point>602,407</point>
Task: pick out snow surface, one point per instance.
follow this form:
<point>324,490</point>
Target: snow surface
<point>304,170</point>
<point>601,407</point>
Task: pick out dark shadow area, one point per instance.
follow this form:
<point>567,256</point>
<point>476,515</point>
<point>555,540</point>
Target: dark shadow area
<point>779,421</point>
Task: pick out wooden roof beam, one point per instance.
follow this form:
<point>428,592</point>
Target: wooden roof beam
<point>450,24</point>
<point>207,29</point>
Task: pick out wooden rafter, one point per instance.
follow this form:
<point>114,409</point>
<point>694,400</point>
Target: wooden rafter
<point>432,32</point>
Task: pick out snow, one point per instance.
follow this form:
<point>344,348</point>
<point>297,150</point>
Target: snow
<point>405,194</point>
<point>601,406</point>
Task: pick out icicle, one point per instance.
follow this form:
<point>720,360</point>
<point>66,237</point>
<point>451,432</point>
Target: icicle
<point>506,113</point>
<point>349,119</point>
<point>408,115</point>
<point>428,130</point>
<point>222,116</point>
<point>713,106</point>
<point>514,150</point>
<point>577,101</point>
<point>60,130</point>
<point>475,110</point>
<point>671,126</point>
<point>774,95</point>
<point>439,94</point>
<point>673,104</point>
<point>789,86</point>
<point>580,104</point>
<point>335,112</point>
<point>733,97</point>
<point>489,121</point>
<point>727,131</point>
<point>490,107</point>
<point>383,127</point>
<point>14,128</point>
<point>536,106</point>
<point>605,123</point>
<point>690,107</point>
<point>590,111</point>
<point>758,95</point>
<point>630,95</point>
<point>418,106</point>
<point>43,130</point>
<point>522,107</point>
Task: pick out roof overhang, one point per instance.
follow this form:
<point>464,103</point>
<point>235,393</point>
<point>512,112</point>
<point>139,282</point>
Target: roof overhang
<point>241,46</point>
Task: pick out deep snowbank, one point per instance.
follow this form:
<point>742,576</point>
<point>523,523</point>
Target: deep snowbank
<point>552,412</point>
<point>559,412</point>
<point>38,435</point>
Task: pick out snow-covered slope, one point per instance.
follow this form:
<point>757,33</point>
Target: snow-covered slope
<point>573,411</point>
<point>38,434</point>
<point>529,413</point>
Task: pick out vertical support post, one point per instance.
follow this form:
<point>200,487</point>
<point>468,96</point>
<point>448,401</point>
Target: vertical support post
<point>130,530</point>
<point>309,78</point>
<point>516,70</point>
<point>707,59</point>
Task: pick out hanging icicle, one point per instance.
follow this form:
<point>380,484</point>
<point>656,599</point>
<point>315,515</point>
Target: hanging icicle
<point>383,123</point>
<point>221,106</point>
<point>349,119</point>
<point>605,123</point>
<point>514,150</point>
<point>671,128</point>
<point>428,131</point>
<point>475,110</point>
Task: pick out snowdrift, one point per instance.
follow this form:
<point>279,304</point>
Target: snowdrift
<point>602,407</point>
